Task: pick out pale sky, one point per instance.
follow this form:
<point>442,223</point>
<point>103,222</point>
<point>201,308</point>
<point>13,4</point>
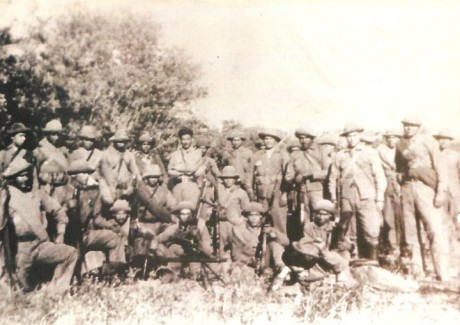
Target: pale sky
<point>291,63</point>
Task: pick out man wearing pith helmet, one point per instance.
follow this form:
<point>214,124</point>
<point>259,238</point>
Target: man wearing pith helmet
<point>272,174</point>
<point>358,173</point>
<point>239,157</point>
<point>423,193</point>
<point>391,231</point>
<point>121,166</point>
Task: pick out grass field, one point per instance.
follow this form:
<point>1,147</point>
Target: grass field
<point>243,301</point>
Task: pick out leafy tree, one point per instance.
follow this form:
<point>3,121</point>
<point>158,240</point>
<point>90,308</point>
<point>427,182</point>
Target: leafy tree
<point>98,69</point>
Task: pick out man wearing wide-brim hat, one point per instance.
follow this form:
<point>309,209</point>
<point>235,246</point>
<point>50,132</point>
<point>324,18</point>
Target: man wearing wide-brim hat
<point>99,233</point>
<point>451,160</point>
<point>121,167</point>
<point>16,134</point>
<point>26,205</point>
<point>189,237</point>
<point>311,168</point>
<point>208,167</point>
<point>47,147</point>
<point>272,174</point>
<point>239,157</point>
<point>246,236</point>
<point>88,151</point>
<point>155,204</point>
<point>147,155</point>
<point>313,253</point>
<point>391,231</point>
<point>357,171</point>
<point>423,193</point>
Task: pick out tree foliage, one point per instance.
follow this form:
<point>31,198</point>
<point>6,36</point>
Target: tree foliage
<point>97,69</point>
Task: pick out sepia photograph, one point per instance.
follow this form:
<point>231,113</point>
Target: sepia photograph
<point>229,162</point>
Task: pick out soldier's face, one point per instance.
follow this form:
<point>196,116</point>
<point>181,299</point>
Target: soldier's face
<point>269,142</point>
<point>236,143</point>
<point>152,181</point>
<point>120,145</point>
<point>18,139</point>
<point>203,149</point>
<point>322,217</point>
<point>444,143</point>
<point>82,178</point>
<point>305,141</point>
<point>186,141</point>
<point>23,181</point>
<point>353,139</point>
<point>53,138</point>
<point>255,219</point>
<point>145,147</point>
<point>87,144</point>
<point>229,182</point>
<point>391,141</point>
<point>410,130</point>
<point>120,216</point>
<point>185,215</point>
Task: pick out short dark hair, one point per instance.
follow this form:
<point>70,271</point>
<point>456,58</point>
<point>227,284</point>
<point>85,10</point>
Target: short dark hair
<point>184,131</point>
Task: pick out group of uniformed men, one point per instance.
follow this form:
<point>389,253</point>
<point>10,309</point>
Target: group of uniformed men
<point>305,206</point>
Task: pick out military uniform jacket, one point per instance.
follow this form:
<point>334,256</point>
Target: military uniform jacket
<point>45,150</point>
<point>245,240</point>
<point>359,167</point>
<point>233,200</point>
<point>310,162</point>
<point>155,203</point>
<point>184,160</point>
<point>94,157</point>
<point>11,153</point>
<point>315,239</point>
<point>451,159</point>
<point>419,158</point>
<point>387,156</point>
<point>198,232</point>
<point>270,166</point>
<point>121,168</point>
<point>25,210</point>
<point>242,159</point>
<point>151,158</point>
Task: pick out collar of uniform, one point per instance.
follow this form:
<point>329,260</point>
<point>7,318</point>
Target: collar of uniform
<point>189,150</point>
<point>358,147</point>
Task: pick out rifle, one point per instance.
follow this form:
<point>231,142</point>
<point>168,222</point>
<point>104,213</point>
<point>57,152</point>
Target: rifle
<point>7,230</point>
<point>215,220</point>
<point>262,245</point>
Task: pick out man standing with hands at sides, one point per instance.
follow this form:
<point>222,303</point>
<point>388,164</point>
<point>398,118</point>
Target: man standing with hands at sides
<point>423,194</point>
<point>358,172</point>
<point>241,158</point>
<point>182,167</point>
<point>272,175</point>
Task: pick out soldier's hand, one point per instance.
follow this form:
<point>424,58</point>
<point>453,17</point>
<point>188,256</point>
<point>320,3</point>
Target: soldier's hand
<point>59,239</point>
<point>270,232</point>
<point>379,205</point>
<point>439,200</point>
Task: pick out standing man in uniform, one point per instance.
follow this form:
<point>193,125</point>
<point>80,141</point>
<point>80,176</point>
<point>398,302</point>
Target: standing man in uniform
<point>182,167</point>
<point>310,173</point>
<point>241,158</point>
<point>391,231</point>
<point>121,172</point>
<point>47,147</point>
<point>272,177</point>
<point>15,150</point>
<point>423,193</point>
<point>147,155</point>
<point>358,172</point>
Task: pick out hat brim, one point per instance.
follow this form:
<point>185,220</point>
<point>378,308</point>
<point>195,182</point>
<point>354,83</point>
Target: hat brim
<point>411,123</point>
<point>439,137</point>
<point>119,139</point>
<point>11,133</point>
<point>308,135</point>
<point>343,134</point>
<point>82,171</point>
<point>152,176</point>
<point>228,176</point>
<point>262,135</point>
<point>231,138</point>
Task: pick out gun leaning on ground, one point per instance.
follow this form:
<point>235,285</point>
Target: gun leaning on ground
<point>262,245</point>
